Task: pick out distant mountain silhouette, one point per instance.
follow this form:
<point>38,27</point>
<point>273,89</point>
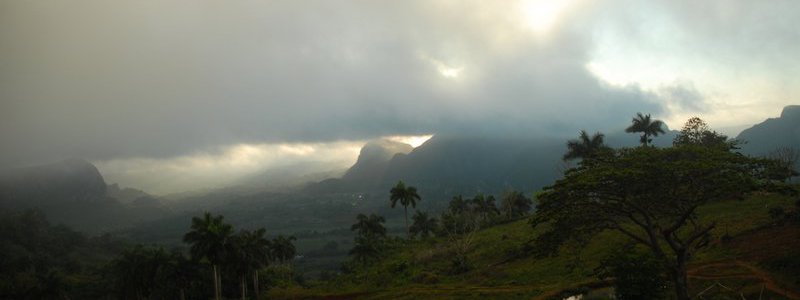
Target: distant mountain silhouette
<point>765,137</point>
<point>374,159</point>
<point>73,192</point>
<point>448,165</point>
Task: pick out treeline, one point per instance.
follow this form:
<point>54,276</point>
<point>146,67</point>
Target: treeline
<point>462,218</point>
<point>220,262</point>
<point>650,195</point>
<point>43,261</point>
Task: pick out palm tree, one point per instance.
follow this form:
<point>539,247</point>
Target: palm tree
<point>365,250</point>
<point>585,147</point>
<point>406,196</point>
<point>647,126</point>
<point>210,238</point>
<point>136,270</point>
<point>423,225</point>
<point>370,227</point>
<point>250,252</point>
<point>282,248</point>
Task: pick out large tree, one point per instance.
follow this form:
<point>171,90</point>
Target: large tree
<point>424,226</point>
<point>251,252</point>
<point>282,248</point>
<point>370,237</point>
<point>650,195</point>
<point>370,227</point>
<point>585,146</point>
<point>406,195</point>
<point>210,239</point>
<point>647,126</point>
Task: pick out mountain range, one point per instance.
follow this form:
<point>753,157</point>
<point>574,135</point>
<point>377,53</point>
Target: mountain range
<point>73,192</point>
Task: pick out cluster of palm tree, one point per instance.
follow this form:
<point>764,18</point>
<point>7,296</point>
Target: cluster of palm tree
<point>370,238</point>
<point>144,272</point>
<point>589,147</point>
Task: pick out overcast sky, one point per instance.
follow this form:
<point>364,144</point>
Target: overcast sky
<point>139,85</point>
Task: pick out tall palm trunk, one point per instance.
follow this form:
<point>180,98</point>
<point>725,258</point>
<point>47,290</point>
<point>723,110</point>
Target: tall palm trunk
<point>243,282</point>
<point>408,232</point>
<point>255,284</point>
<point>216,284</point>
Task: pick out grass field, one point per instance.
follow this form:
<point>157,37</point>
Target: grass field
<point>749,255</point>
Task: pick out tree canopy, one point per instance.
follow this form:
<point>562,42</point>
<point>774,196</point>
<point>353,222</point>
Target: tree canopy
<point>647,126</point>
<point>585,146</point>
<point>649,194</point>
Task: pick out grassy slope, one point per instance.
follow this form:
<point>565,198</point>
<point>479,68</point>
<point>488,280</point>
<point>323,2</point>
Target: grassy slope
<point>421,271</point>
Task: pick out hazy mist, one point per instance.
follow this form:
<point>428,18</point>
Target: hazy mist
<point>221,90</point>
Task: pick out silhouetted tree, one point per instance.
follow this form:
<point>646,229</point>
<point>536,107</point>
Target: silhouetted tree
<point>423,225</point>
<point>365,250</point>
<point>210,239</point>
<point>647,126</point>
<point>251,252</point>
<point>136,271</point>
<point>515,204</point>
<point>369,240</point>
<point>696,132</point>
<point>283,249</point>
<point>585,147</point>
<point>407,196</point>
<point>649,194</point>
<point>178,272</point>
<point>370,227</point>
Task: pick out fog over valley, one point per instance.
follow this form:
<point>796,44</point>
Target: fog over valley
<point>185,85</point>
<point>412,149</point>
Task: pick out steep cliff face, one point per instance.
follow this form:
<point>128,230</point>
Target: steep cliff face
<point>69,180</point>
<point>373,161</point>
<point>74,193</point>
<point>773,133</point>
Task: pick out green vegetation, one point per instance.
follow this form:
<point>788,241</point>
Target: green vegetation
<point>407,196</point>
<point>647,126</point>
<point>692,220</point>
<point>672,202</point>
<point>504,266</point>
<point>585,146</point>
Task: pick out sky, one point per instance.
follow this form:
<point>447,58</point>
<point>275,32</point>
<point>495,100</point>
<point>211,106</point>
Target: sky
<point>172,95</point>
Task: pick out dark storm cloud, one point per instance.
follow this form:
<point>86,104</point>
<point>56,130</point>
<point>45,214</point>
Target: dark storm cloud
<point>107,80</point>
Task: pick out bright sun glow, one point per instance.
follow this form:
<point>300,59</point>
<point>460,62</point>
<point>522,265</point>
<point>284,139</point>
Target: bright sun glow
<point>413,140</point>
<point>450,72</point>
<point>540,15</point>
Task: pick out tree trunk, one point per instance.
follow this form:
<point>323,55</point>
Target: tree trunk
<point>255,285</point>
<point>679,278</point>
<point>216,284</point>
<point>243,283</point>
<point>183,294</point>
<point>408,232</point>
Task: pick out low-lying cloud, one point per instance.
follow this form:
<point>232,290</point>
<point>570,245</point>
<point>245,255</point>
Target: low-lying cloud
<point>160,81</point>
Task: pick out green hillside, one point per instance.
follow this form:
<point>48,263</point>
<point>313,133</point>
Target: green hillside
<point>749,249</point>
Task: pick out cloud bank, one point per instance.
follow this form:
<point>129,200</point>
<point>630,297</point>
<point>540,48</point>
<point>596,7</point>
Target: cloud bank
<point>160,80</point>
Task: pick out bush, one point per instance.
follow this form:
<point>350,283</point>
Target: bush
<point>638,274</point>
